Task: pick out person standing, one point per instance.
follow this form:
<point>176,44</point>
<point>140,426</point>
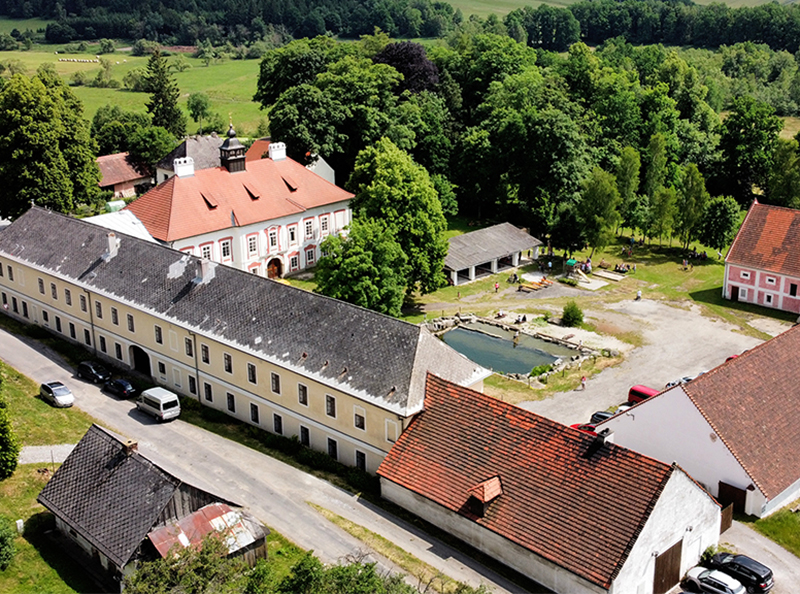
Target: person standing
<point>496,287</point>
<point>583,383</point>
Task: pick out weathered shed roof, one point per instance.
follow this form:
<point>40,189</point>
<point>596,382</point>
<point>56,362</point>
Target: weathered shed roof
<point>371,356</point>
<point>204,150</point>
<point>485,245</point>
<point>118,168</point>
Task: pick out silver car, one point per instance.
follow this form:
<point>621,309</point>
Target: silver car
<point>57,394</point>
<point>711,580</point>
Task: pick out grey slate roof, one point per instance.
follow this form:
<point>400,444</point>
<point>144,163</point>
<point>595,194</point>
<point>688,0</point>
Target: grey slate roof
<point>372,356</point>
<point>203,149</point>
<point>485,245</point>
<point>110,499</point>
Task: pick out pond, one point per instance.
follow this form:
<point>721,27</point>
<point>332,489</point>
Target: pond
<point>496,349</point>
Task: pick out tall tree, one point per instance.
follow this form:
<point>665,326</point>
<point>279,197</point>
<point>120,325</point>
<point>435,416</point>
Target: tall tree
<point>692,200</point>
<point>783,184</point>
<point>656,172</point>
<point>389,186</point>
<point>9,445</point>
<point>598,208</point>
<point>628,183</point>
<point>719,222</point>
<point>410,60</point>
<point>662,212</point>
<point>46,153</point>
<point>749,136</point>
<point>366,268</point>
<point>199,106</point>
<point>164,93</point>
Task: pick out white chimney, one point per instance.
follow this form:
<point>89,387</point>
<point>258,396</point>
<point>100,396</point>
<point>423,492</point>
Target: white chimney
<point>183,167</point>
<point>277,151</point>
<point>113,246</point>
<point>605,436</point>
<point>205,272</point>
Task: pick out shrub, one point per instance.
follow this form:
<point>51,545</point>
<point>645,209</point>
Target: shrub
<point>540,369</point>
<point>572,315</point>
<point>9,446</point>
<point>7,547</point>
<point>572,282</point>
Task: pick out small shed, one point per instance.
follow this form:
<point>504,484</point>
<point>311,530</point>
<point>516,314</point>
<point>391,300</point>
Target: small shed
<point>487,251</point>
<point>121,175</point>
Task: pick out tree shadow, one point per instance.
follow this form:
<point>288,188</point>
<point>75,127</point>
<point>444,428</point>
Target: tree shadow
<point>38,532</point>
<point>713,296</point>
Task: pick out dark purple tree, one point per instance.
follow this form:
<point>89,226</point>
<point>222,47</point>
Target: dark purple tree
<point>410,60</point>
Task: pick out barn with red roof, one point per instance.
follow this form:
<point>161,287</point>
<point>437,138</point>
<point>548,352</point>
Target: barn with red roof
<point>763,264</point>
<point>574,512</point>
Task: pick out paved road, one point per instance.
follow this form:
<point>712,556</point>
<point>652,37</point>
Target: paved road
<point>785,566</point>
<point>274,492</point>
<point>677,342</point>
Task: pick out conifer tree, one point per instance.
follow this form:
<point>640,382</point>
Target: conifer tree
<point>164,93</point>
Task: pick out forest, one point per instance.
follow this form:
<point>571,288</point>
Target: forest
<point>185,22</point>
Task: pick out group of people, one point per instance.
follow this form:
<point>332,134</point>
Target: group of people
<point>624,268</point>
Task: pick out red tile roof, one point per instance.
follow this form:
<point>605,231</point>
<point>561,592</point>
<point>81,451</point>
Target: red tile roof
<point>258,150</point>
<point>214,199</point>
<point>116,169</point>
<point>753,403</point>
<point>488,490</point>
<point>768,240</point>
<point>564,498</point>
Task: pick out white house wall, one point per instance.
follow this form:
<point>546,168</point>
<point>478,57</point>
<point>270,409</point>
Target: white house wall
<point>338,216</point>
<point>785,498</point>
<point>683,511</point>
<point>514,556</point>
<point>671,429</point>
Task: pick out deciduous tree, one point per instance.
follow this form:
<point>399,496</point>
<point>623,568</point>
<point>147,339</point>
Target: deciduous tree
<point>692,200</point>
<point>720,222</point>
<point>199,106</point>
<point>598,208</point>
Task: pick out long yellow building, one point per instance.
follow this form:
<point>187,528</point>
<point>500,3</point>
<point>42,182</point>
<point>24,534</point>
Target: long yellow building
<point>343,379</point>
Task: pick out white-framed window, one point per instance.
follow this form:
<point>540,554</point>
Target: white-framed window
<point>204,356</point>
<point>275,381</point>
<point>768,299</point>
<point>273,239</point>
<point>745,274</point>
<point>117,350</point>
<point>208,392</point>
<point>162,370</point>
<point>330,405</point>
<point>310,256</point>
<point>10,273</point>
<point>305,436</point>
<point>292,234</point>
<point>225,249</point>
<point>309,227</point>
<point>770,280</point>
<point>205,251</point>
<point>254,413</point>
<point>323,225</point>
<point>46,318</point>
<point>252,245</point>
<point>192,384</point>
<point>103,346</point>
<point>743,294</point>
<point>294,262</point>
<point>302,394</point>
<point>114,316</point>
<point>130,323</point>
<point>251,373</point>
<point>391,431</point>
<point>359,418</point>
<point>228,362</point>
<point>231,402</point>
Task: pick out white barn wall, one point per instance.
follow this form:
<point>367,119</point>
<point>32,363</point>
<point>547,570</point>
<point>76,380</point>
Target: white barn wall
<point>683,511</point>
<point>671,429</point>
<point>518,558</point>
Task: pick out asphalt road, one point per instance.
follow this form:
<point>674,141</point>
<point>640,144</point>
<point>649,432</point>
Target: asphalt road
<point>274,492</point>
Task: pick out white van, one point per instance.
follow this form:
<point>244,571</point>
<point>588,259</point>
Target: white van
<point>160,403</point>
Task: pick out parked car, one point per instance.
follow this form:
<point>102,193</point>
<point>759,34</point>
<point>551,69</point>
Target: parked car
<point>713,580</point>
<point>57,394</point>
<point>683,380</point>
<point>120,388</point>
<point>639,393</point>
<point>94,372</point>
<point>623,407</point>
<point>162,404</point>
<point>585,428</point>
<point>754,576</point>
<point>600,416</point>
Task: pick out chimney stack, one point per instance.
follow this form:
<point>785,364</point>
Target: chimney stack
<point>277,151</point>
<point>605,436</point>
<point>205,272</point>
<point>129,447</point>
<point>184,167</point>
<point>113,246</point>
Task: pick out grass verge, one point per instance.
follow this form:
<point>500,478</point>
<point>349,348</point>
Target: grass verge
<point>782,527</point>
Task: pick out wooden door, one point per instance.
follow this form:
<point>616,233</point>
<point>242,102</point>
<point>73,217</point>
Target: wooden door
<point>734,293</point>
<point>668,569</point>
<point>727,518</point>
<point>274,268</point>
<point>728,494</point>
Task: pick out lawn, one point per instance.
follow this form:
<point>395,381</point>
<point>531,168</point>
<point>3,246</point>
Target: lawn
<point>229,84</point>
<point>782,527</point>
<point>22,25</point>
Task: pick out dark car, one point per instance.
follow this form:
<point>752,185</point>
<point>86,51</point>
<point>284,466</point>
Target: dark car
<point>94,372</point>
<point>120,388</point>
<point>600,416</point>
<point>753,575</point>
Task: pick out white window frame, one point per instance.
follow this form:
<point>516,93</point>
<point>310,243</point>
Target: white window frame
<point>742,293</point>
<point>207,252</point>
<point>252,374</point>
<point>292,234</point>
<point>359,412</point>
<point>226,245</point>
<point>771,280</point>
<point>272,239</point>
<point>305,389</point>
<point>294,263</point>
<point>768,299</point>
<point>324,227</point>
<point>308,228</point>
<point>252,245</point>
<point>745,274</point>
<point>312,260</point>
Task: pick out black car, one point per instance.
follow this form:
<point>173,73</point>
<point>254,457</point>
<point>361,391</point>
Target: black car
<point>600,416</point>
<point>94,372</point>
<point>120,388</point>
<point>753,575</point>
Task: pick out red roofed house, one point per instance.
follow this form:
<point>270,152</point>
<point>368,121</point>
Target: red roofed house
<point>120,175</point>
<point>573,512</point>
<point>267,216</point>
<point>734,428</point>
<point>763,264</point>
<point>260,150</point>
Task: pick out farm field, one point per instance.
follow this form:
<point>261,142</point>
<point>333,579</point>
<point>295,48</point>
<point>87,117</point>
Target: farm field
<point>230,84</point>
<point>8,25</point>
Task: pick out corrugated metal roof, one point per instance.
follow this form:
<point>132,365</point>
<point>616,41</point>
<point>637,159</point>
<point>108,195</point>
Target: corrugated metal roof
<point>485,245</point>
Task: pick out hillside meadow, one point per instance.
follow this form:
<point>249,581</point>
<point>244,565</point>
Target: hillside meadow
<point>229,84</point>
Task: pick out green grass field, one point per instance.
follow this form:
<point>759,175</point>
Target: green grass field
<point>22,25</point>
<point>230,85</point>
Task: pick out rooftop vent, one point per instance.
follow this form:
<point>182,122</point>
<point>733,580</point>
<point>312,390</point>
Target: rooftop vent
<point>604,437</point>
<point>277,151</point>
<point>184,167</point>
<point>113,246</point>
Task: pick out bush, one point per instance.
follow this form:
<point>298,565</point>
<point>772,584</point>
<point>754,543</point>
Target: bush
<point>540,369</point>
<point>572,282</point>
<point>9,446</point>
<point>7,547</point>
<point>572,315</point>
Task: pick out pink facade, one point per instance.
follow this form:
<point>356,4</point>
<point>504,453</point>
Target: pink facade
<point>750,285</point>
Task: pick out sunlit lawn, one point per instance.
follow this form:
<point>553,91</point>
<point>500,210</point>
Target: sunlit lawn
<point>783,527</point>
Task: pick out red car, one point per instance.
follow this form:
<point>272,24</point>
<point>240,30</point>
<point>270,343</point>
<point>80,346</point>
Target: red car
<point>585,428</point>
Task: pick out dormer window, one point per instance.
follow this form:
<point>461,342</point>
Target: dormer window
<point>483,494</point>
